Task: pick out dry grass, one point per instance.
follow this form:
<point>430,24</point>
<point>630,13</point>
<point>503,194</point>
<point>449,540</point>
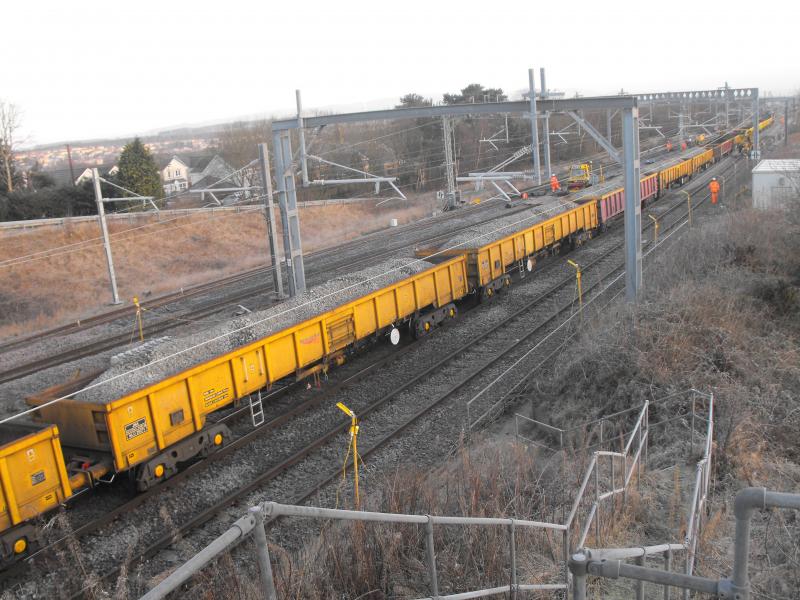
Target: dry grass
<point>156,259</point>
<point>722,314</point>
<point>387,561</point>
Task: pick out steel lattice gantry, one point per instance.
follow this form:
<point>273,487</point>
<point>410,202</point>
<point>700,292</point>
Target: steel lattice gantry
<point>726,95</point>
<point>627,105</point>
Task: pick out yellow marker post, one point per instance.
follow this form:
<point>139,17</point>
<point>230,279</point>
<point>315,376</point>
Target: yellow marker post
<point>655,230</point>
<point>578,280</point>
<point>354,445</point>
<point>689,203</point>
<point>139,317</point>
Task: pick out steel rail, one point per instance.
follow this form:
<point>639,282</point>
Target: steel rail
<point>110,342</point>
<point>297,457</point>
<point>364,413</point>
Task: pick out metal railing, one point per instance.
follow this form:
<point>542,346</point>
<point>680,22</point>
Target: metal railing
<point>591,431</point>
<point>165,214</point>
<point>607,484</point>
<point>609,563</point>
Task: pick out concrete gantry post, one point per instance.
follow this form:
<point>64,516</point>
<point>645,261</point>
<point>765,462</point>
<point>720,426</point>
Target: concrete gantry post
<point>608,125</point>
<point>101,214</point>
<point>301,137</point>
<point>269,215</point>
<point>545,127</point>
<point>756,151</point>
<point>633,205</point>
<point>785,121</point>
<point>447,133</point>
<point>534,127</point>
<point>293,250</point>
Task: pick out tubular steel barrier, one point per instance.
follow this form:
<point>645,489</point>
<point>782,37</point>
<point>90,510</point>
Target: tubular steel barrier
<point>576,526</point>
<point>166,214</point>
<point>641,429</point>
<point>608,563</point>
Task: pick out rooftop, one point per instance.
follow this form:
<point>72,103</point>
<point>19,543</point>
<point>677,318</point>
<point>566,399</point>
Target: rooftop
<point>785,165</point>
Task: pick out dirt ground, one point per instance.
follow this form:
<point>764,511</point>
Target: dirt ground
<point>56,274</point>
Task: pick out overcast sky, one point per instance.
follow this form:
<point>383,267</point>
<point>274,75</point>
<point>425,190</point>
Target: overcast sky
<point>93,69</point>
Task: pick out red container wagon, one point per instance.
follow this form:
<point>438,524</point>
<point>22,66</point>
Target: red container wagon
<point>722,150</point>
<point>611,199</point>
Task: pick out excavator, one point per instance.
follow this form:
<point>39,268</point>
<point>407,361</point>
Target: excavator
<point>581,176</point>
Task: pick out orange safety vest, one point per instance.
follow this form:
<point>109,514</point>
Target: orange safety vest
<point>554,185</point>
<point>714,189</point>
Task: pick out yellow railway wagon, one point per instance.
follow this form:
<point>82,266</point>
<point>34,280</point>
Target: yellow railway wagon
<point>679,172</point>
<point>33,480</point>
<point>701,160</point>
<point>159,426</point>
<point>487,265</point>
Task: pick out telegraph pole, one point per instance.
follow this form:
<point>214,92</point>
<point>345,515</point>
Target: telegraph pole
<point>101,213</point>
<point>71,171</point>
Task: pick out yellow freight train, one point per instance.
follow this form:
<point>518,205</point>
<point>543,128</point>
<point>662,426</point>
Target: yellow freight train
<point>148,432</point>
<point>489,263</point>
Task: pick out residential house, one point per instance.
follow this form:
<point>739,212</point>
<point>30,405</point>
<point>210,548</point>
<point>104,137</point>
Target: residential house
<point>86,174</point>
<point>211,166</point>
<point>174,175</point>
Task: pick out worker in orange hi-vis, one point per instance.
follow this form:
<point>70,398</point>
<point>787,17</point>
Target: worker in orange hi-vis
<point>669,146</point>
<point>713,187</point>
<point>554,185</point>
<point>683,146</point>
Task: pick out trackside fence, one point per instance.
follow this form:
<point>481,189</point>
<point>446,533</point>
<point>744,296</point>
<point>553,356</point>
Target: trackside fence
<point>609,563</point>
<point>602,493</point>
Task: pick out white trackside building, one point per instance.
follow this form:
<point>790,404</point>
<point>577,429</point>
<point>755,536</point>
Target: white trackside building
<point>776,183</point>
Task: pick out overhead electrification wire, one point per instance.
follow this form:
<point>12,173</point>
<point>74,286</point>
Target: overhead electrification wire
<point>96,384</point>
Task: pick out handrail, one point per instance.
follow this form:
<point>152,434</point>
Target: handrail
<point>632,461</point>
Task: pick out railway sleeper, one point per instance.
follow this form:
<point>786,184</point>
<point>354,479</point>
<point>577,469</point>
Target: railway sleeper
<point>422,324</point>
<point>203,443</point>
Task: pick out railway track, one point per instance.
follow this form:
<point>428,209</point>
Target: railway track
<point>213,307</point>
<point>83,325</point>
<point>504,353</point>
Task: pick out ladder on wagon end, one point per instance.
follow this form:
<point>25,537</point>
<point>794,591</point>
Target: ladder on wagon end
<point>256,409</point>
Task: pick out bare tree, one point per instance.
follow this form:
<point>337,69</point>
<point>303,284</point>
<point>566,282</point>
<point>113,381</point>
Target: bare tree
<point>239,141</point>
<point>9,123</point>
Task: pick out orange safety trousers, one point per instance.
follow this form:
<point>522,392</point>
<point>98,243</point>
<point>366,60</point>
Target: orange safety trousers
<point>713,187</point>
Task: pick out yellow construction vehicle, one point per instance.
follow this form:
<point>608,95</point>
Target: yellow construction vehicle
<point>581,176</point>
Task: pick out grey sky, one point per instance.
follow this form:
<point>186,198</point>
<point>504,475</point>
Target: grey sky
<point>93,69</point>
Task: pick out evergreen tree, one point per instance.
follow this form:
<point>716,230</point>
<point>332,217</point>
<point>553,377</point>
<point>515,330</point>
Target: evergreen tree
<point>138,171</point>
<point>475,92</point>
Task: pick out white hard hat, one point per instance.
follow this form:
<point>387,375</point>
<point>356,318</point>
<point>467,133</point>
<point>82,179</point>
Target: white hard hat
<point>713,179</point>
<point>552,174</point>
